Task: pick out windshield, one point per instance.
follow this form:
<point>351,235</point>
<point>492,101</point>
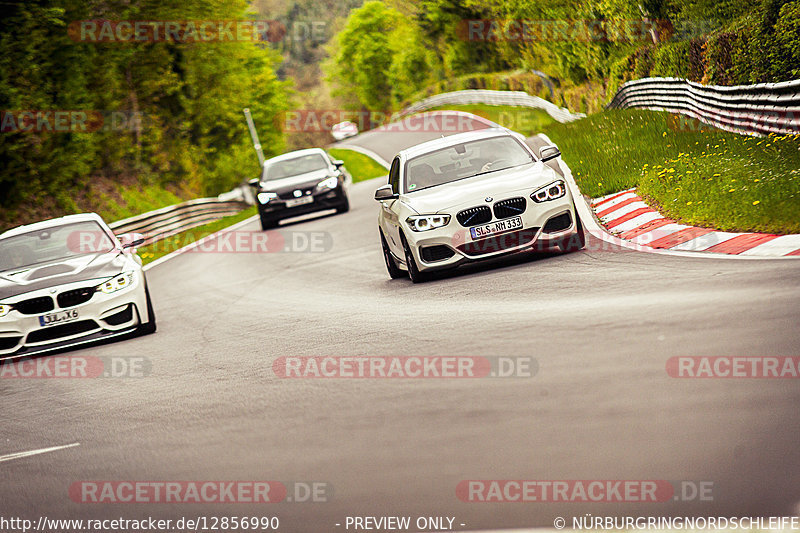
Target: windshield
<point>53,244</point>
<point>463,161</point>
<point>294,167</point>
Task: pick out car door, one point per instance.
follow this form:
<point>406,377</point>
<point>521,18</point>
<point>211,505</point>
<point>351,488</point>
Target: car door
<point>389,212</point>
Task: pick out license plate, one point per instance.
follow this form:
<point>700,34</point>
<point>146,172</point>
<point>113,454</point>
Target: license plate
<point>61,317</point>
<point>501,226</point>
<point>299,201</point>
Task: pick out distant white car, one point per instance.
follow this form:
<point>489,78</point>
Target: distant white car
<point>343,130</point>
<point>69,281</point>
<point>472,196</point>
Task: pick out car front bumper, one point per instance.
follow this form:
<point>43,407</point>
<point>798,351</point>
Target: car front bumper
<point>103,316</point>
<point>323,200</point>
<point>452,245</point>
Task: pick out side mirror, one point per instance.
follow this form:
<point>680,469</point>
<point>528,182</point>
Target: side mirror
<point>254,183</point>
<point>385,193</point>
<point>131,240</point>
<point>546,153</point>
<point>338,163</point>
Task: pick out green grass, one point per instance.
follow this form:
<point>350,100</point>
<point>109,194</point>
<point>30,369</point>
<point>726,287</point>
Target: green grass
<point>137,200</point>
<point>159,249</point>
<point>525,120</point>
<point>699,176</point>
<point>358,165</point>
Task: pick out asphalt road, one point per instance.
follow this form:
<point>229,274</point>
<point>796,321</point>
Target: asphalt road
<point>601,323</point>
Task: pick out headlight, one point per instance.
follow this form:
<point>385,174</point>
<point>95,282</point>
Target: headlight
<point>5,309</point>
<point>427,222</point>
<point>329,183</point>
<point>555,190</point>
<point>266,197</point>
<point>117,283</point>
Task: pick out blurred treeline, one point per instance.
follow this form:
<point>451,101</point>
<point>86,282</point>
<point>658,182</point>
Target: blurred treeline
<point>394,51</point>
<point>191,138</point>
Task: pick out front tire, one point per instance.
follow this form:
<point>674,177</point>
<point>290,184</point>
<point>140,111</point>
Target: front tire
<point>574,242</point>
<point>413,271</point>
<point>391,265</point>
<point>150,326</point>
<point>268,222</point>
<point>345,206</point>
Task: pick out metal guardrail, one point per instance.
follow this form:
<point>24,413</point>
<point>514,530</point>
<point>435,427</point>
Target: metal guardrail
<point>749,109</point>
<point>165,222</point>
<point>488,97</point>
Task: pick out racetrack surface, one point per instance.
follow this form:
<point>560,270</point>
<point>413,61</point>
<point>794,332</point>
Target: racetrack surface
<point>601,323</point>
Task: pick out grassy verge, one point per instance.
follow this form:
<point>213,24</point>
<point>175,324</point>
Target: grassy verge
<point>697,175</point>
<point>358,165</point>
<point>135,201</point>
<point>112,201</point>
<point>131,201</point>
<point>522,119</point>
<point>159,249</point>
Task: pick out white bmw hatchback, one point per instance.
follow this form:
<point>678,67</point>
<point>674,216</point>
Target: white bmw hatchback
<point>469,197</point>
<point>67,282</point>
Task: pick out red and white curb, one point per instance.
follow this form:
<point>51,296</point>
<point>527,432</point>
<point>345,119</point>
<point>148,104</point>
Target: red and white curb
<point>627,216</point>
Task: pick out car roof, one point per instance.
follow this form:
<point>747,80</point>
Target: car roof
<point>450,140</point>
<point>296,153</point>
<point>53,223</point>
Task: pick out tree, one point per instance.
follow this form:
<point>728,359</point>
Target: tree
<point>364,59</point>
<point>379,58</point>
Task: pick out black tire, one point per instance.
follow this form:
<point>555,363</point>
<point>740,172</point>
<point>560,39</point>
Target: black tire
<point>413,272</point>
<point>268,222</point>
<point>345,206</point>
<point>150,326</point>
<point>391,265</point>
<point>576,242</point>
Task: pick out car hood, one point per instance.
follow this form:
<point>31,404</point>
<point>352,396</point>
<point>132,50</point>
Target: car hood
<point>517,181</point>
<point>296,182</point>
<point>74,269</point>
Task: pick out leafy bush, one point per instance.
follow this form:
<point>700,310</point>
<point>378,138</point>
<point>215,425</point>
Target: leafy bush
<point>643,62</point>
<point>784,56</point>
<point>672,60</point>
<point>619,73</point>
